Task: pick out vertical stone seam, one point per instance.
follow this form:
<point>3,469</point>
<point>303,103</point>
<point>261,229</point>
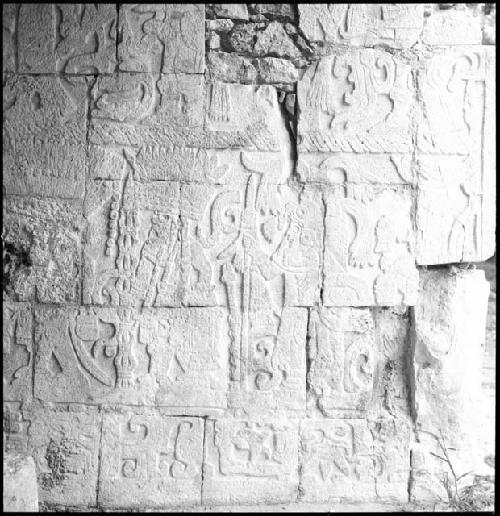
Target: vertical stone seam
<point>99,455</point>
<point>33,350</point>
<point>117,66</point>
<point>203,456</point>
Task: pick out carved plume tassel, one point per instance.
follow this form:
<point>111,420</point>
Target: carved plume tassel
<point>220,103</point>
<point>319,94</point>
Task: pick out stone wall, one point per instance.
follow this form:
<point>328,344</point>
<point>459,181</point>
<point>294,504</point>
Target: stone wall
<point>226,236</point>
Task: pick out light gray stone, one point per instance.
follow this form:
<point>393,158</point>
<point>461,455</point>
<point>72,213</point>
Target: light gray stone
<point>67,38</point>
<point>9,24</point>
<point>17,351</point>
<point>19,484</point>
<point>448,335</point>
<point>359,100</point>
<point>149,460</point>
<point>44,135</point>
<point>162,38</point>
<point>16,422</point>
<point>65,444</point>
<point>249,461</point>
<point>42,238</point>
<point>234,11</point>
<point>452,27</point>
<point>395,25</point>
<point>455,140</point>
<point>369,247</point>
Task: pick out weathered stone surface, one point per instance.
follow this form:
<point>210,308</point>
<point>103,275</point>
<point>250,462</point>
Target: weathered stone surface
<point>285,11</point>
<point>16,422</point>
<point>233,11</point>
<point>249,461</point>
<point>449,325</point>
<point>19,484</point>
<point>149,460</point>
<point>161,38</point>
<point>357,362</point>
<point>369,247</point>
<point>65,444</point>
<point>395,25</point>
<point>359,100</point>
<point>452,27</point>
<point>354,459</point>
<point>174,358</point>
<point>17,351</point>
<point>42,259</point>
<point>9,24</point>
<point>44,132</point>
<point>228,67</point>
<point>67,38</point>
<point>455,136</point>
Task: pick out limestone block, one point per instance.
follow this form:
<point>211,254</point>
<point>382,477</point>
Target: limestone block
<point>275,41</point>
<point>229,67</point>
<point>19,484</point>
<point>452,27</point>
<point>342,357</point>
<point>42,249</point>
<point>354,459</point>
<point>357,362</point>
<point>16,422</point>
<point>131,249</point>
<point>162,38</point>
<point>9,23</point>
<point>349,168</point>
<point>369,247</point>
<point>174,358</point>
<point>65,445</point>
<point>234,11</point>
<point>67,38</point>
<point>285,11</point>
<point>449,331</point>
<point>256,236</point>
<point>359,100</point>
<point>44,135</point>
<point>140,109</point>
<point>191,364</point>
<point>394,25</point>
<point>391,395</point>
<point>250,462</point>
<point>250,112</point>
<point>456,157</point>
<point>92,355</point>
<point>17,351</point>
<point>268,364</point>
<point>149,460</point>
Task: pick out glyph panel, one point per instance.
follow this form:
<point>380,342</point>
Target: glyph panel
<point>456,157</point>
<point>175,358</point>
<point>67,38</point>
<point>64,441</point>
<point>44,132</point>
<point>250,461</point>
<point>369,247</point>
<point>150,460</point>
<point>42,242</point>
<point>394,25</point>
<point>17,351</point>
<point>132,247</point>
<point>354,460</point>
<point>358,100</point>
<point>162,38</point>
